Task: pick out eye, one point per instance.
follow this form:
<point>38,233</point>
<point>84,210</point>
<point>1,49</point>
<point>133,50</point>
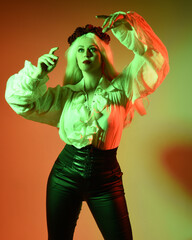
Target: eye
<point>81,50</point>
<point>93,49</point>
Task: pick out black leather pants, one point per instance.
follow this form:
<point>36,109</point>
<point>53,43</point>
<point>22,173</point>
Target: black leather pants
<point>91,175</point>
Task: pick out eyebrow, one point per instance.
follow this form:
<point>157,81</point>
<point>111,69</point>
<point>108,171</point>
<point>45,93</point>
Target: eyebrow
<point>93,45</point>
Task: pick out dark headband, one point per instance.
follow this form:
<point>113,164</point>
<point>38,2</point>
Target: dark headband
<point>89,29</point>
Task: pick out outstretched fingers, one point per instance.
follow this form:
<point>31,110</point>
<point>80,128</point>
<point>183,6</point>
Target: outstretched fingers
<point>46,61</point>
<point>52,51</point>
<point>102,16</point>
<point>48,58</point>
<point>106,18</point>
<point>51,54</point>
<point>109,21</point>
<point>112,21</point>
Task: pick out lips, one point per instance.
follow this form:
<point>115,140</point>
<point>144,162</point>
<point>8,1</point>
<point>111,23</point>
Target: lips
<point>87,62</point>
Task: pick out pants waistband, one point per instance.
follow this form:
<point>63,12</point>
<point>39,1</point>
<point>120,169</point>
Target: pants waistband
<point>91,148</point>
<point>89,160</point>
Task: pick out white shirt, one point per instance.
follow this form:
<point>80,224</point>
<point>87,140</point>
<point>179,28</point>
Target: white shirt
<point>113,104</point>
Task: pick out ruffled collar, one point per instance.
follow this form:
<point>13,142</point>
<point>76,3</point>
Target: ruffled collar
<point>104,84</point>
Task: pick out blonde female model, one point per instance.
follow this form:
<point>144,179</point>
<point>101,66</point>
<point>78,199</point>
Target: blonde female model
<point>91,110</point>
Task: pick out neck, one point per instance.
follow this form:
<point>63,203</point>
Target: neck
<point>91,80</point>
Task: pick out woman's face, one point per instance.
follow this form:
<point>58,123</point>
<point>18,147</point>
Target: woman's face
<point>88,55</point>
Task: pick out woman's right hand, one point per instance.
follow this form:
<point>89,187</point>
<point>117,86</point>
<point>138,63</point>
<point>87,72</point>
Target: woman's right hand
<point>46,63</point>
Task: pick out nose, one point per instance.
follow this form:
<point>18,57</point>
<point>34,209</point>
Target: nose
<point>89,53</point>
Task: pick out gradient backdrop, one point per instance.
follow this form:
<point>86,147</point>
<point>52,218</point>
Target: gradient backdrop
<point>156,150</point>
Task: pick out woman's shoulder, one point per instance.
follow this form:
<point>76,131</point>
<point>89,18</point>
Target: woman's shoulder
<point>79,86</point>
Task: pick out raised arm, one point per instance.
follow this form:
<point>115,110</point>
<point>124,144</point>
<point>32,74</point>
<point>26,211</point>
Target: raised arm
<point>27,94</point>
<point>150,64</point>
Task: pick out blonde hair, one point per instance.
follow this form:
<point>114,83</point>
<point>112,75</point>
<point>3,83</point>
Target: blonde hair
<point>73,73</point>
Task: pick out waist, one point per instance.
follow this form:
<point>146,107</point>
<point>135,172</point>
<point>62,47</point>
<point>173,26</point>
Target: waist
<point>89,159</point>
<point>88,151</point>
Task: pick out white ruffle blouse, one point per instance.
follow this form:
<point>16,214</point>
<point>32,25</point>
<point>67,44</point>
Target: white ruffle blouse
<point>113,105</point>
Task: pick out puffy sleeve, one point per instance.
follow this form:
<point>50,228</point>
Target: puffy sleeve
<point>148,68</point>
<point>31,99</point>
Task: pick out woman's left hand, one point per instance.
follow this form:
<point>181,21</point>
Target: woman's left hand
<point>114,20</point>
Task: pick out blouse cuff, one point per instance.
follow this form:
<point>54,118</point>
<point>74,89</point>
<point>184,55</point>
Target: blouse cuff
<point>28,71</point>
<point>22,88</point>
<point>130,38</point>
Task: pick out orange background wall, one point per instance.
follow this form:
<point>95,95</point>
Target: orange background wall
<point>156,150</point>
